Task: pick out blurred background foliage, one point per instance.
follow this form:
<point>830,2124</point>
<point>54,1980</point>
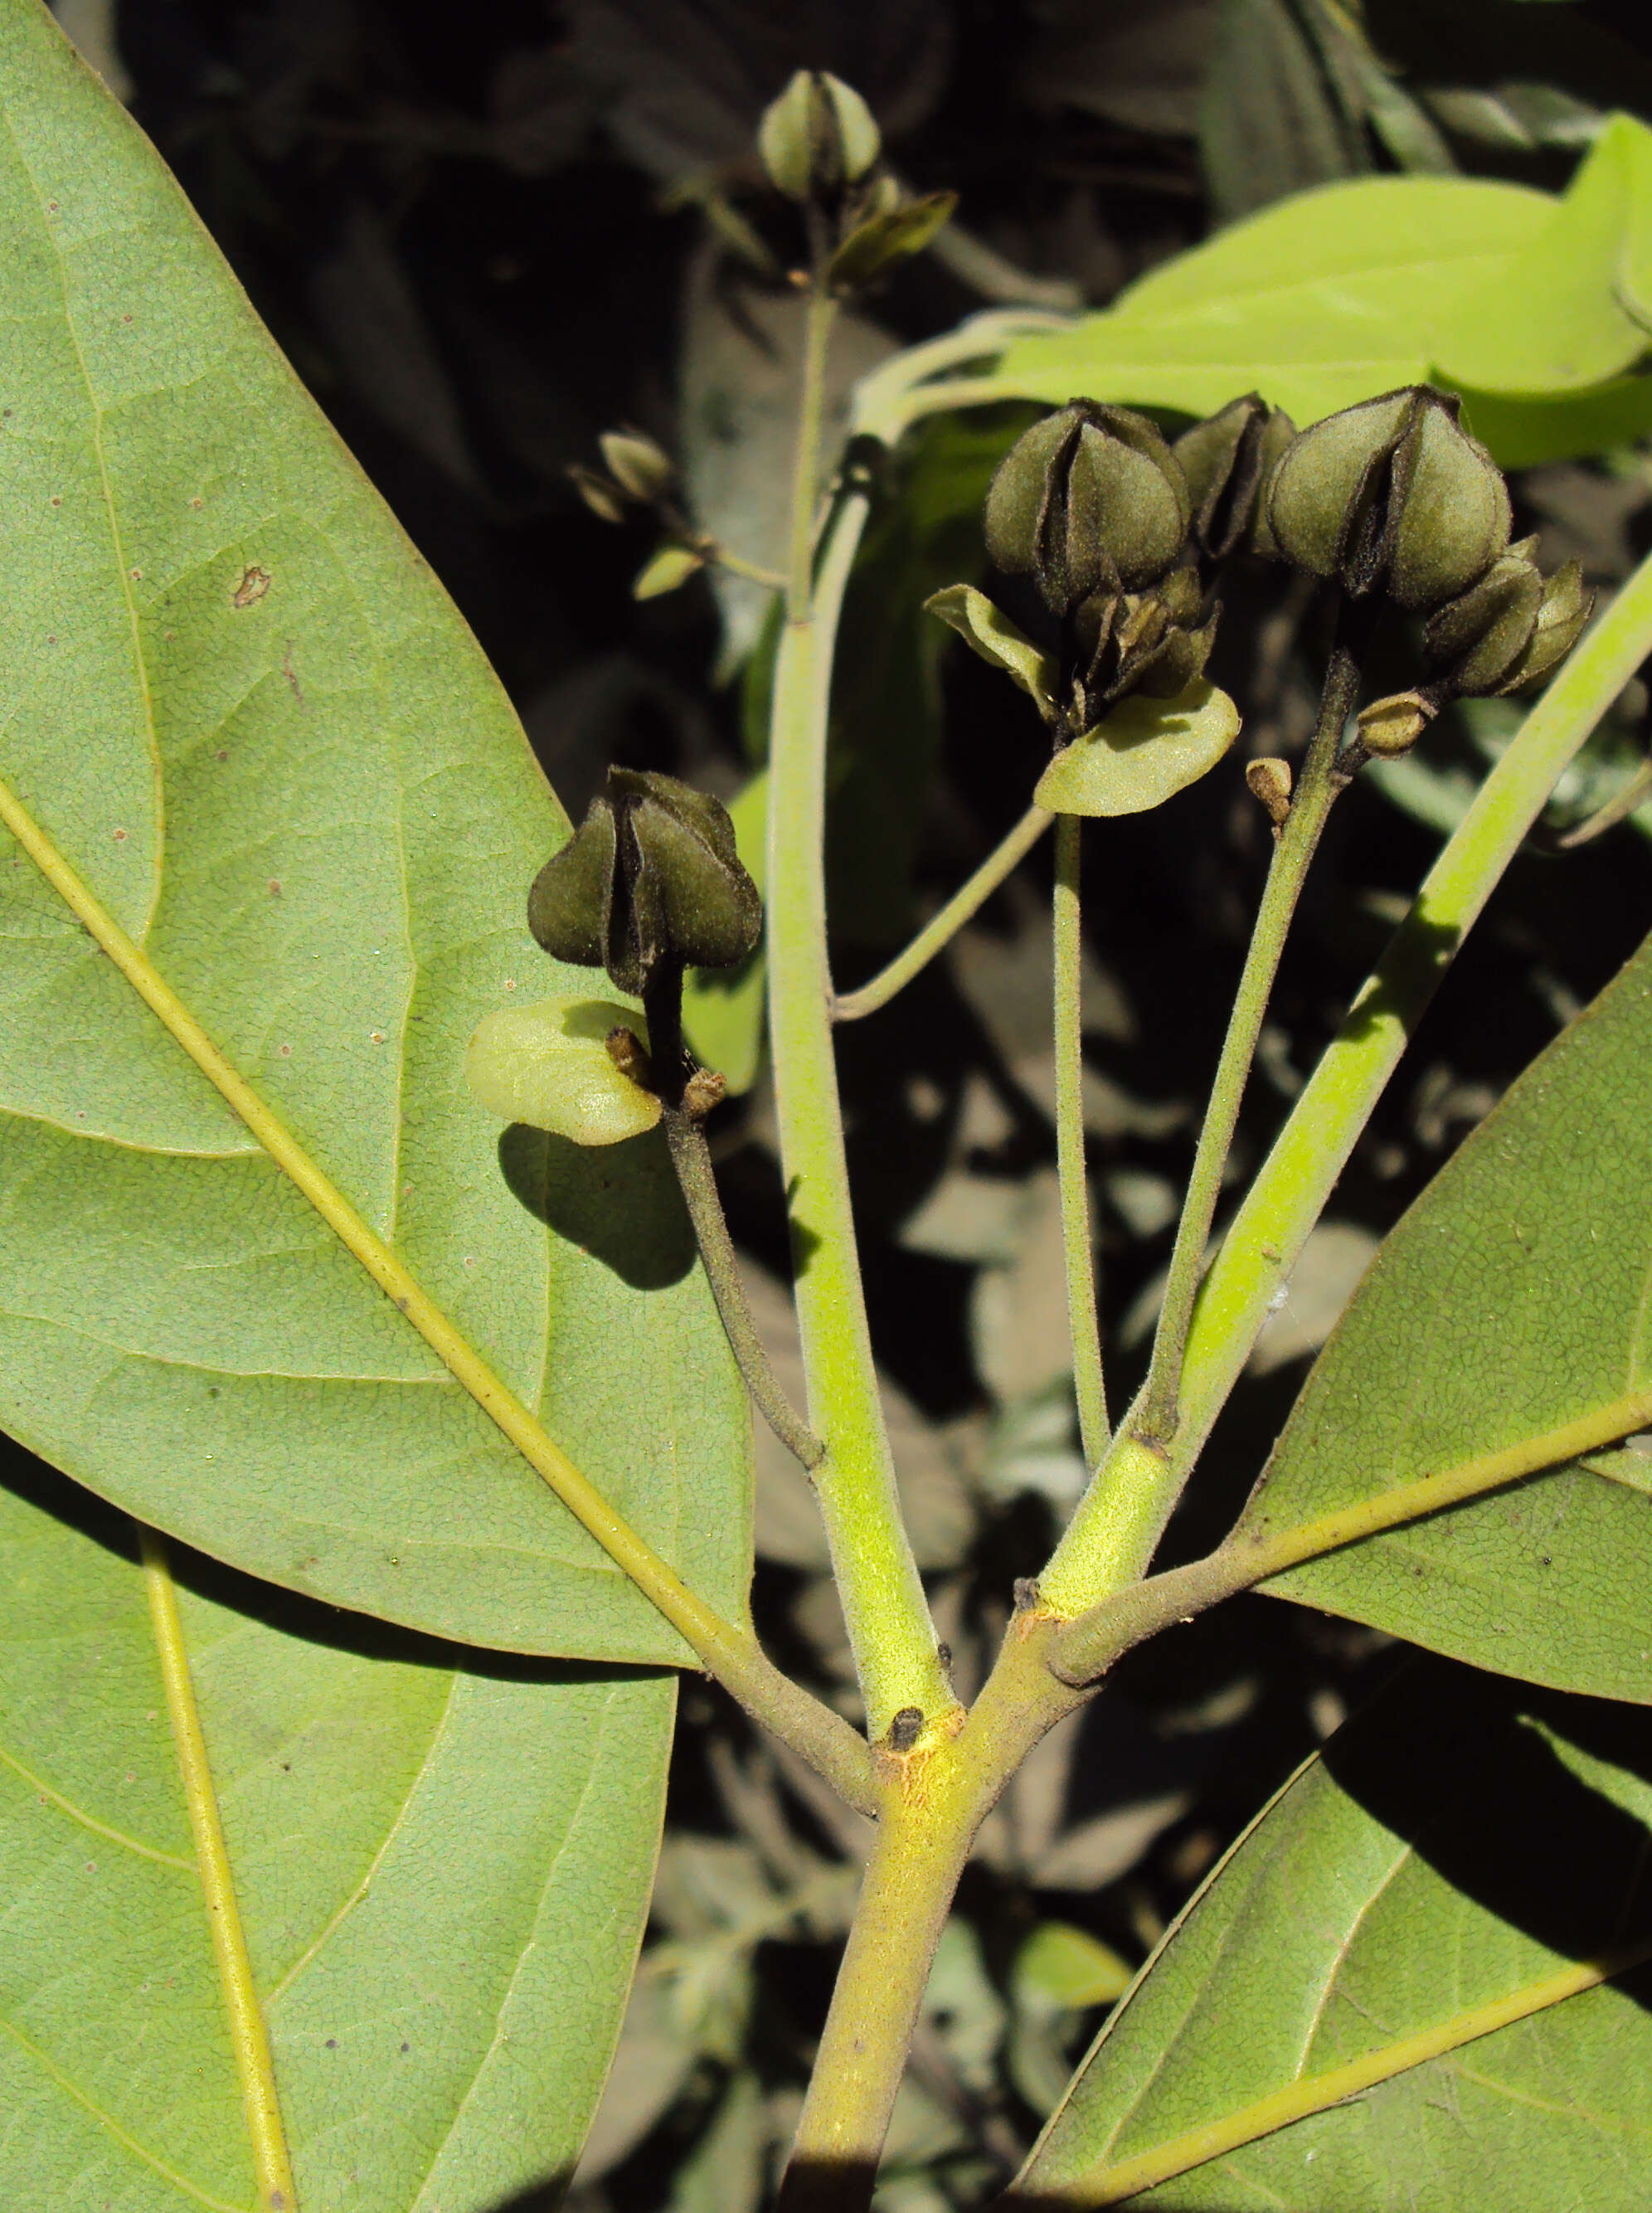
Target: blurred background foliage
<point>483,235</point>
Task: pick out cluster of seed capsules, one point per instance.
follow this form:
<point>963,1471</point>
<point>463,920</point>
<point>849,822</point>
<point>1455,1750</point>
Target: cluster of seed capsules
<point>1115,525</point>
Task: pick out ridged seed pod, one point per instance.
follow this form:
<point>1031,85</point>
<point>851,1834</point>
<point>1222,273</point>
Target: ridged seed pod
<point>1090,498</point>
<point>1391,494</point>
<point>651,876</point>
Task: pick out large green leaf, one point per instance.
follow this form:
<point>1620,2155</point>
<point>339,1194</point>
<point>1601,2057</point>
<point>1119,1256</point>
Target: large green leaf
<point>1356,287</point>
<point>247,713</point>
<point>420,1857</point>
<point>1571,310</point>
<point>1512,1298</point>
<point>1421,1872</point>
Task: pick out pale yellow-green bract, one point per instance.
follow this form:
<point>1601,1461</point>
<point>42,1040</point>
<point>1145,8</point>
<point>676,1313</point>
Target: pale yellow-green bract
<point>549,1065</point>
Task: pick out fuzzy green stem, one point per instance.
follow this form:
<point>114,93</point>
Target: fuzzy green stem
<point>1294,850</point>
<point>890,1631</point>
<point>807,458</point>
<point>1119,1520</point>
<point>1077,1246</point>
<point>691,1158</point>
<point>943,927</point>
<point>1084,1649</point>
<point>937,1799</point>
<point>737,565</point>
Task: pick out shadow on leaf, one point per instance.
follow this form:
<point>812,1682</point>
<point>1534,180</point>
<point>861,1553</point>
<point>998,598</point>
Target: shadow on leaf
<point>619,1203</point>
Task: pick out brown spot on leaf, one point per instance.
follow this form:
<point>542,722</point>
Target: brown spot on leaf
<point>254,583</point>
<point>275,881</point>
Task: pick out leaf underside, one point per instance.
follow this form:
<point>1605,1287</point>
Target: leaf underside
<point>246,712</point>
<point>439,2044</point>
<point>1425,1864</point>
<point>1516,1296</point>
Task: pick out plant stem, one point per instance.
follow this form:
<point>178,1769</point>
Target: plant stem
<point>691,1158</point>
<point>1085,1649</point>
<point>249,2037</point>
<point>806,488</point>
<point>943,926</point>
<point>1082,1322</point>
<point>937,1800</point>
<point>1156,1422</point>
<point>1119,1520</point>
<point>738,566</point>
<point>890,1631</point>
<point>726,1651</point>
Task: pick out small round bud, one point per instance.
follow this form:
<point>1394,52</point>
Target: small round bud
<point>906,1728</point>
<point>550,1066</point>
<point>1269,780</point>
<point>706,1088</point>
<point>1091,496</point>
<point>667,569</point>
<point>630,1056</point>
<point>817,137</point>
<point>604,499</point>
<point>1388,727</point>
<point>638,464</point>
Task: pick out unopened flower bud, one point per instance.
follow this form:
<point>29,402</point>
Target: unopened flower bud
<point>817,137</point>
<point>650,877</point>
<point>1090,498</point>
<point>1226,460</point>
<point>1392,494</point>
<point>1388,727</point>
<point>604,499</point>
<point>1270,782</point>
<point>638,464</point>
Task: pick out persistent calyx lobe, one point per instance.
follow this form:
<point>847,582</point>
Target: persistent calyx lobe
<point>649,884</point>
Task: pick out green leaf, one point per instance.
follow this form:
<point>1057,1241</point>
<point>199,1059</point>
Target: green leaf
<point>1419,1872</point>
<point>1319,301</point>
<point>1572,309</point>
<point>242,706</point>
<point>1352,290</point>
<point>437,2042</point>
<point>1281,109</point>
<point>988,631</point>
<point>1512,1297</point>
<point>1060,1965</point>
<point>1140,754</point>
<point>894,234</point>
<point>723,1008</point>
<point>667,570</point>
